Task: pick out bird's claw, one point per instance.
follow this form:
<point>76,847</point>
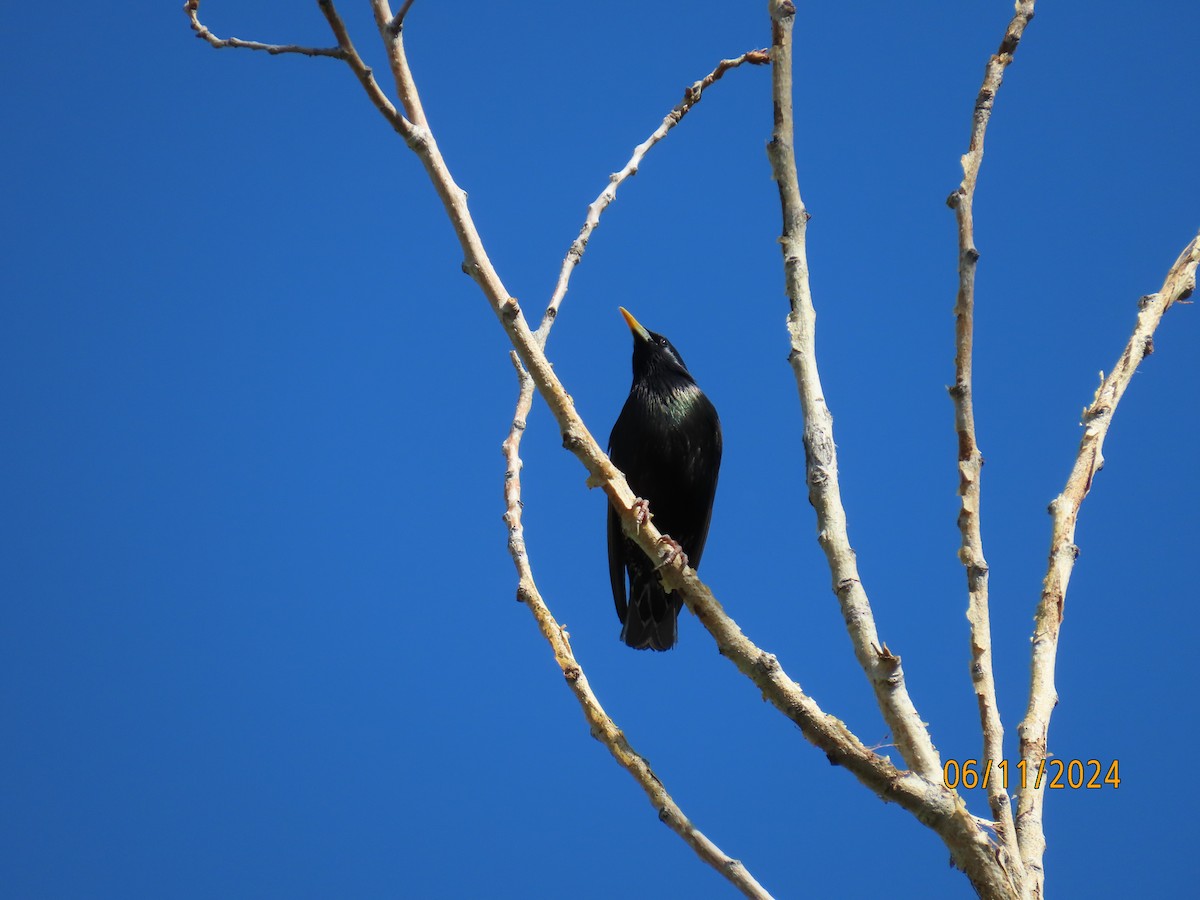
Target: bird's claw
<point>673,552</point>
<point>641,513</point>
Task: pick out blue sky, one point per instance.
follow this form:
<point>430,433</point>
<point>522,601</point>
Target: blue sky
<point>260,637</point>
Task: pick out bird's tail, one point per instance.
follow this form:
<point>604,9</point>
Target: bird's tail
<point>651,622</point>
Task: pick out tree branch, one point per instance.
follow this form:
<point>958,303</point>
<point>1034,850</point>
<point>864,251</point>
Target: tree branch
<point>365,76</point>
<point>969,847</point>
<point>192,8</point>
<point>344,51</point>
<point>1097,417</point>
<point>970,459</point>
<point>602,726</point>
<point>392,33</point>
<point>397,21</point>
<point>881,666</point>
<point>691,97</point>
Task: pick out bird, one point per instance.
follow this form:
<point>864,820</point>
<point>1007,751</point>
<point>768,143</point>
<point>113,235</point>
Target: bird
<point>667,441</point>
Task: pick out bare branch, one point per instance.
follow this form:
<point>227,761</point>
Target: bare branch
<point>970,848</point>
<point>344,51</point>
<point>393,39</point>
<point>1097,417</point>
<point>364,74</point>
<point>397,21</point>
<point>881,666</point>
<point>192,8</point>
<point>602,726</point>
<point>970,459</point>
<point>691,97</point>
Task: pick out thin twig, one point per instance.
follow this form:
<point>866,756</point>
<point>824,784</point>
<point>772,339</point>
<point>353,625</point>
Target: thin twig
<point>393,40</point>
<point>365,76</point>
<point>192,8</point>
<point>1097,417</point>
<point>691,97</point>
<point>397,21</point>
<point>344,51</point>
<point>881,666</point>
<point>970,459</point>
<point>602,726</point>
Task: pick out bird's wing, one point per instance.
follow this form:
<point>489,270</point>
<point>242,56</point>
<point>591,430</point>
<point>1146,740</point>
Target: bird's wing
<point>703,471</point>
<point>616,562</point>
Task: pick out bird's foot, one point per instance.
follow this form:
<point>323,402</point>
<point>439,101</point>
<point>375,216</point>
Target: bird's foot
<point>641,513</point>
<point>672,552</point>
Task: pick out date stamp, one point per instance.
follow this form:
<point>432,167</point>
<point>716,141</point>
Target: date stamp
<point>1054,774</point>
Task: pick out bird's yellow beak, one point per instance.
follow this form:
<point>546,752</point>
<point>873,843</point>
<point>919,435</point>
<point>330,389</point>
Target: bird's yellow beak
<point>634,325</point>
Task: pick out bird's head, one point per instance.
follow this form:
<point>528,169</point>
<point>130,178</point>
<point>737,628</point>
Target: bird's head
<point>654,357</point>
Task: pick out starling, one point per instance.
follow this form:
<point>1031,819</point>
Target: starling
<point>667,441</point>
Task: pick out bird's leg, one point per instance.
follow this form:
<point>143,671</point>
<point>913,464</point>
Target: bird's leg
<point>641,513</point>
<point>673,551</point>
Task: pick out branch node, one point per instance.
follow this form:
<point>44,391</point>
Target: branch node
<point>885,655</point>
<point>768,663</point>
<point>417,139</point>
<point>845,586</point>
<point>395,26</point>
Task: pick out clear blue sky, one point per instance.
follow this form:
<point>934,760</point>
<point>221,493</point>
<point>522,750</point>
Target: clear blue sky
<point>259,630</point>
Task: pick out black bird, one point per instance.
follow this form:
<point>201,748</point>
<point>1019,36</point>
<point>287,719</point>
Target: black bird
<point>667,441</point>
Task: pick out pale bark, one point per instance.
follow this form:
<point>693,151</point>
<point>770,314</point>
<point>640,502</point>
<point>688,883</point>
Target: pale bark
<point>970,459</point>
